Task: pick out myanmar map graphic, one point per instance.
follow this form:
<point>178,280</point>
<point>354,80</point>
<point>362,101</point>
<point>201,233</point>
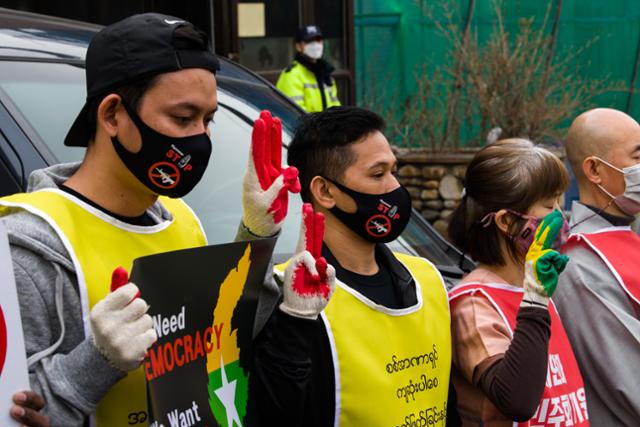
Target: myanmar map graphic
<point>228,383</point>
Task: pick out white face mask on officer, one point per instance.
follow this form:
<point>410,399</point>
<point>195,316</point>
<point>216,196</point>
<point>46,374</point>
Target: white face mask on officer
<point>629,201</point>
<point>313,49</point>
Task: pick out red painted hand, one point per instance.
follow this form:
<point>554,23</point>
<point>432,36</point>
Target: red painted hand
<point>309,279</point>
<point>119,278</point>
<point>266,184</point>
<point>121,329</point>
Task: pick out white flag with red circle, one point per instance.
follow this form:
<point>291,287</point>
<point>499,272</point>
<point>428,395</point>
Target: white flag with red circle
<point>13,360</point>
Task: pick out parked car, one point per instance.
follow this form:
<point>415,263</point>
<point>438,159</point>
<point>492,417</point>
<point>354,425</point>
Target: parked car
<point>42,88</point>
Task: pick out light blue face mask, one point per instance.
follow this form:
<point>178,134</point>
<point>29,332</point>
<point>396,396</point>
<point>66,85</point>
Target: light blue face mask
<point>629,201</point>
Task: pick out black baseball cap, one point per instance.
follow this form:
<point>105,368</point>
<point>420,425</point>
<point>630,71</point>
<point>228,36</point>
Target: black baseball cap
<point>136,47</point>
<point>309,32</point>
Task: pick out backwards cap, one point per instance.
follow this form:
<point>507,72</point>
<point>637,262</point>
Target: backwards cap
<point>138,46</point>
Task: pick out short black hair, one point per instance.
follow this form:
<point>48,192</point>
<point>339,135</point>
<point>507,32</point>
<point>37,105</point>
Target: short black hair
<point>133,91</point>
<point>321,144</point>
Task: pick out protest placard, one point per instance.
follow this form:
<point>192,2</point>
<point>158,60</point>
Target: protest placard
<point>203,303</point>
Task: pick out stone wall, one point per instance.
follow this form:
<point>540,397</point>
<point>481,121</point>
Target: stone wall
<point>434,181</point>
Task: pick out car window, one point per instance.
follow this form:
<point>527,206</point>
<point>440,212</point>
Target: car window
<point>233,70</point>
<point>39,43</point>
<point>263,97</point>
<point>49,96</point>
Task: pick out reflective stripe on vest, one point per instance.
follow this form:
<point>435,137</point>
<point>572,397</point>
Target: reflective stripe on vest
<point>563,401</point>
<point>97,244</point>
<point>391,366</point>
<point>619,249</point>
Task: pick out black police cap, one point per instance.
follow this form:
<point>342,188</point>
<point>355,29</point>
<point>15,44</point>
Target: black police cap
<point>309,32</point>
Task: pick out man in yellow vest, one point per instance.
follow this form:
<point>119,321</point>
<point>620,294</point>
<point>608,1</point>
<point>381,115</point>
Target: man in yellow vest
<point>151,94</point>
<point>308,81</point>
<point>378,351</point>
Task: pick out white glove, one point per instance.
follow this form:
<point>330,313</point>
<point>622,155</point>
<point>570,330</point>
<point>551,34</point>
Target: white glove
<point>266,185</point>
<point>122,330</point>
<point>534,293</point>
<point>309,281</point>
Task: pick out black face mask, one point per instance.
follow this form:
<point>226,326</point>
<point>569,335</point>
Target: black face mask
<point>168,166</point>
<point>379,218</point>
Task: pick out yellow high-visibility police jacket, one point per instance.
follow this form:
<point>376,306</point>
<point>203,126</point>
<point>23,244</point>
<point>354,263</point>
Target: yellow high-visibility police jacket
<point>301,86</point>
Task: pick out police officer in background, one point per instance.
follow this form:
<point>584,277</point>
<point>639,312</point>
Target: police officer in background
<point>307,81</point>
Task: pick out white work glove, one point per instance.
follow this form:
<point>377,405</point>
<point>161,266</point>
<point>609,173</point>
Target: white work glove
<point>266,185</point>
<point>309,281</point>
<point>121,329</point>
<point>543,265</point>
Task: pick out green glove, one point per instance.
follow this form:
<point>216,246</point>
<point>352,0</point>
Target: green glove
<point>543,265</point>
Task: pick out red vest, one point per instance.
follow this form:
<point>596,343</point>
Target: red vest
<point>619,249</point>
<point>563,401</point>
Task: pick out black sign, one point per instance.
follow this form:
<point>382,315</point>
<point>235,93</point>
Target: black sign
<point>203,304</point>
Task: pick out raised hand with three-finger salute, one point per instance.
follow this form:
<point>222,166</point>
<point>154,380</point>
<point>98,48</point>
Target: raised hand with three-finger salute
<point>309,280</point>
<point>267,184</point>
<point>543,265</point>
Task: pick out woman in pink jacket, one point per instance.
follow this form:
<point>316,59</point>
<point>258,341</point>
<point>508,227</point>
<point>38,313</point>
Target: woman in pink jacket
<point>512,359</point>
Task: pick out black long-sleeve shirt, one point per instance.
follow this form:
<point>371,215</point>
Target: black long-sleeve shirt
<point>292,382</point>
<point>524,362</point>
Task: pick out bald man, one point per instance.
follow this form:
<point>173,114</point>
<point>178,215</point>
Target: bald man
<point>598,294</point>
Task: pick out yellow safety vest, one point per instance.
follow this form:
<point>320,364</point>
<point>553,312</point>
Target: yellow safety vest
<point>97,244</point>
<point>301,86</point>
<point>391,366</point>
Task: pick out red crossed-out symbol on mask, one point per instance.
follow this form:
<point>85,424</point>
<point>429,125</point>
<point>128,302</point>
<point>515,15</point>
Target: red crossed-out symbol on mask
<point>378,225</point>
<point>164,175</point>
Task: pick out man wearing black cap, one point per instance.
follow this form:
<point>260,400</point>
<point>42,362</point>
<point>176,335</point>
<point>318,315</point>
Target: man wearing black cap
<point>307,81</point>
<point>151,94</point>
